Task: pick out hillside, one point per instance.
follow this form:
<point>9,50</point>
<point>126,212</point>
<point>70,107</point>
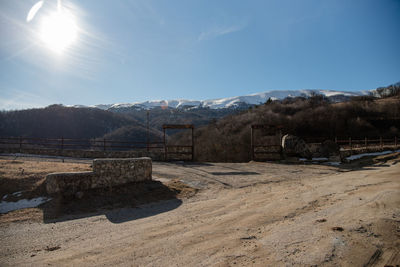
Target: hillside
<point>305,112</point>
<point>59,121</point>
<point>134,133</point>
<point>229,138</point>
<point>203,112</point>
<point>160,116</point>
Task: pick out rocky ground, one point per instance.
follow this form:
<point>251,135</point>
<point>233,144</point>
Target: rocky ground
<point>218,214</point>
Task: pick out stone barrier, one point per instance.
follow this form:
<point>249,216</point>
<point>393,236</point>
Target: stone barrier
<point>68,183</point>
<point>106,173</point>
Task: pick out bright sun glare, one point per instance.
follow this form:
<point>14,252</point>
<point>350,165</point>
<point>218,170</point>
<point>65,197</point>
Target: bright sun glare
<point>58,31</point>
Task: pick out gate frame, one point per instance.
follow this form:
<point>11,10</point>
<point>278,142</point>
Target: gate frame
<point>178,126</point>
<point>269,128</point>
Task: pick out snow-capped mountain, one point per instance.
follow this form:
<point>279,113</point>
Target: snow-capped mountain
<point>387,91</point>
<point>233,102</point>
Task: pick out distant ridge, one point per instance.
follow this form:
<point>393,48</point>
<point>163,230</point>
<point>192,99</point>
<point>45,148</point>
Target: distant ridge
<point>234,102</point>
<point>247,100</point>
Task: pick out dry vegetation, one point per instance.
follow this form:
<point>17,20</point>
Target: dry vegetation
<point>27,175</point>
<point>56,121</point>
<point>228,139</point>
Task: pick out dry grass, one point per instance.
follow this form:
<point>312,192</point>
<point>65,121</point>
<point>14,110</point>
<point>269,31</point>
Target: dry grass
<point>27,175</point>
<point>181,189</point>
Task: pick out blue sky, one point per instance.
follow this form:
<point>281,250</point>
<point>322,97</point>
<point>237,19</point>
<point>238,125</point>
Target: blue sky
<point>137,50</point>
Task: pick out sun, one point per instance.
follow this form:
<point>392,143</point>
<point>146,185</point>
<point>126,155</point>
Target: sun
<point>58,31</point>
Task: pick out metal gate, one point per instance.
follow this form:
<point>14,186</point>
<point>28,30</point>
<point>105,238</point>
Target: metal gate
<point>266,142</point>
<point>179,152</point>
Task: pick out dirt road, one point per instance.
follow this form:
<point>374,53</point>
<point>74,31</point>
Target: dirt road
<point>243,214</point>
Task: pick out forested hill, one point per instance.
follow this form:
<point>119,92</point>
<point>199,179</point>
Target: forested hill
<point>59,121</point>
<point>159,116</point>
<point>317,115</point>
<point>229,138</point>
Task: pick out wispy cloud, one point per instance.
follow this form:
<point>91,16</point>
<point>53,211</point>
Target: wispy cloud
<point>221,30</point>
<point>17,99</point>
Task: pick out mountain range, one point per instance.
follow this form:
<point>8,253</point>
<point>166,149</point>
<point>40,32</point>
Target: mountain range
<point>138,122</point>
<point>235,102</point>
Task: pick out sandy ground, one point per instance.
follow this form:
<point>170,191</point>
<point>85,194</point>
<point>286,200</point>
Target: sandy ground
<point>257,214</point>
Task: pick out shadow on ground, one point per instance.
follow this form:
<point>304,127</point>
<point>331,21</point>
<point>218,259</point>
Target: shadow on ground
<point>119,204</point>
<point>234,173</point>
<point>130,214</point>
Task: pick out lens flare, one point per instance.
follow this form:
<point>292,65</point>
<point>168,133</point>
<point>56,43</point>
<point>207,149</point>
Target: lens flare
<point>58,31</point>
<point>34,10</point>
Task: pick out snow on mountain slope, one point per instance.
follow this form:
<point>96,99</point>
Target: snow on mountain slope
<point>252,99</point>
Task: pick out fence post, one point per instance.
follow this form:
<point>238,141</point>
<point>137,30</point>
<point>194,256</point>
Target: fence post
<point>336,139</point>
<point>395,141</point>
<point>165,147</point>
<point>366,142</point>
<point>252,144</point>
<point>192,144</point>
<point>350,143</point>
<point>20,144</point>
<point>380,141</point>
<point>104,144</point>
<point>147,133</point>
<point>62,142</point>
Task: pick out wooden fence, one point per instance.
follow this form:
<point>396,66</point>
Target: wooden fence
<point>21,143</point>
<point>169,152</point>
<point>274,151</point>
<point>78,144</point>
<point>358,143</point>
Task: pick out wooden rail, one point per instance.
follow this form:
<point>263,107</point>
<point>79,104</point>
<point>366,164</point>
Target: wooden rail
<point>159,146</point>
<point>343,142</point>
<point>102,144</point>
<point>366,142</point>
<point>78,144</point>
<point>178,149</point>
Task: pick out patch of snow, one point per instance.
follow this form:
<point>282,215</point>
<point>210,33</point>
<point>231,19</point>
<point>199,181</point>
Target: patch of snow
<point>4,197</point>
<point>319,159</point>
<point>333,163</point>
<point>17,194</point>
<point>22,204</point>
<point>102,106</point>
<point>358,156</point>
<point>314,159</point>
